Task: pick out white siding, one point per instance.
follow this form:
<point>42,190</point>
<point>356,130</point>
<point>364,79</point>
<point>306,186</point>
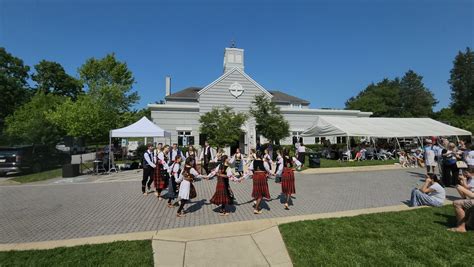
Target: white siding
<point>170,120</point>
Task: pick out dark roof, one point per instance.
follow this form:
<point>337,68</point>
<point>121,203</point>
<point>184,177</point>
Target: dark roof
<point>191,94</point>
<point>282,98</point>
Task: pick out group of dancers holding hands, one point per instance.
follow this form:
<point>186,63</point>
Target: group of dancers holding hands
<point>164,167</point>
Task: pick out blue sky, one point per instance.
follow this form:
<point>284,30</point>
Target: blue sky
<point>322,51</point>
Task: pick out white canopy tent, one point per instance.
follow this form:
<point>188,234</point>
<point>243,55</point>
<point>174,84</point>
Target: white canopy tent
<point>381,127</point>
<point>141,128</point>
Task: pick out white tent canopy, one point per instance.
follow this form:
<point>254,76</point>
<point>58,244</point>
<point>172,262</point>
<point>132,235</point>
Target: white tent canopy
<point>381,127</point>
<point>142,128</point>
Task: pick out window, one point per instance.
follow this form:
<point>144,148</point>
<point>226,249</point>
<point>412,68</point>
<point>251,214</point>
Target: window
<point>238,58</point>
<point>341,139</point>
<point>185,138</point>
<point>317,140</point>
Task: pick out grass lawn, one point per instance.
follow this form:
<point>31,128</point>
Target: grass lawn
<point>121,253</point>
<point>39,176</point>
<point>409,238</point>
<point>328,163</point>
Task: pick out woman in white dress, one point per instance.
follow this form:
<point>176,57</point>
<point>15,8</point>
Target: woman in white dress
<point>186,188</point>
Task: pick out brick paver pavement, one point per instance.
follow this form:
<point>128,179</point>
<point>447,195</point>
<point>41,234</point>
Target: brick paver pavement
<point>32,213</point>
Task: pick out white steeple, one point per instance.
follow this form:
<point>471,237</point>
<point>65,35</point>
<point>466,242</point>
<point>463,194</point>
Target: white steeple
<point>233,58</point>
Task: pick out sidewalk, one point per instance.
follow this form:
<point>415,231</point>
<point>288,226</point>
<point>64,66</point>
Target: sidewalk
<point>245,243</point>
<point>352,169</point>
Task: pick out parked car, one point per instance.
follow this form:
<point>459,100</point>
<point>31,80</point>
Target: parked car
<point>73,149</point>
<point>33,158</point>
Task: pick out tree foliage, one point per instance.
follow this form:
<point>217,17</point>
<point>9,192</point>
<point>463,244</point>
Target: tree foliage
<point>269,121</point>
<point>29,123</point>
<point>222,126</point>
<point>407,97</point>
<point>14,89</point>
<point>462,83</point>
<point>50,77</point>
<point>447,115</point>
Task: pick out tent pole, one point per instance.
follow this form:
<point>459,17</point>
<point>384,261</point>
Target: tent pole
<point>399,146</point>
<point>110,148</point>
<point>348,148</point>
<point>457,138</point>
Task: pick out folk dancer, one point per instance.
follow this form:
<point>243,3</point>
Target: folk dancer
<point>174,151</point>
<point>192,153</point>
<point>148,168</point>
<point>206,156</point>
<point>175,171</point>
<point>223,195</point>
<point>260,185</point>
<point>162,171</point>
<point>268,158</point>
<point>186,187</point>
<point>238,162</point>
<point>287,174</point>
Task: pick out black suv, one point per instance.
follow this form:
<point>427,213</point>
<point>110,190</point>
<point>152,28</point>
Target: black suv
<point>33,158</point>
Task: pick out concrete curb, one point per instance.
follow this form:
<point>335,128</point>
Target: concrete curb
<point>352,169</point>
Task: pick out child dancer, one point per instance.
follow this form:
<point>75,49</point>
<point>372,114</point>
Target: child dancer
<point>175,171</point>
<point>288,177</point>
<point>223,195</point>
<point>161,171</point>
<point>260,185</point>
<point>186,188</point>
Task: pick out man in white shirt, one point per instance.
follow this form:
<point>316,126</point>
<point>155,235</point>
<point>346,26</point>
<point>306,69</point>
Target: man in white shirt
<point>148,169</point>
<point>207,155</point>
<point>301,153</point>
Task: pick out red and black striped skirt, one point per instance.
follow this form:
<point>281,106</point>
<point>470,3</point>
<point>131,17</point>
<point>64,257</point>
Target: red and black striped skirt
<point>222,195</point>
<point>288,181</point>
<point>160,177</point>
<point>260,185</point>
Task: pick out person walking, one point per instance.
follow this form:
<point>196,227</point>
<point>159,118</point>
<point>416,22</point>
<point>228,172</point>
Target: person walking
<point>148,169</point>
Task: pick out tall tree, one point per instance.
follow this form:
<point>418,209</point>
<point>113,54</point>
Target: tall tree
<point>222,126</point>
<point>416,100</point>
<point>269,121</point>
<point>110,80</point>
<point>462,83</point>
<point>29,123</point>
<point>383,99</point>
<point>14,89</point>
<point>50,77</point>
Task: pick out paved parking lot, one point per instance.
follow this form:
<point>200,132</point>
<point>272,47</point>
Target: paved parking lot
<point>114,204</point>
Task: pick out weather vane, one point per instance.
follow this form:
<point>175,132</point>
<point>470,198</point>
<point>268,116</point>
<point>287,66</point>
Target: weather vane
<point>232,43</point>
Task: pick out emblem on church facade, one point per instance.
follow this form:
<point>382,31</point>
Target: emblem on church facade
<point>236,89</point>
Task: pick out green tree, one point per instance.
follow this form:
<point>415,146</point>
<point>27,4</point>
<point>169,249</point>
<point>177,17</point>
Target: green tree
<point>462,83</point>
<point>447,115</point>
<point>416,100</point>
<point>269,121</point>
<point>29,123</point>
<point>14,89</point>
<point>87,117</point>
<point>111,81</point>
<point>222,126</point>
<point>50,77</point>
<point>383,99</point>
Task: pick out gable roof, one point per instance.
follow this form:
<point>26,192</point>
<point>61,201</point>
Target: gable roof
<point>190,94</point>
<point>230,72</point>
<point>282,98</point>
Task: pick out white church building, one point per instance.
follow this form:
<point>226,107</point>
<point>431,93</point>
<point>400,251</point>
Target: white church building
<point>180,111</point>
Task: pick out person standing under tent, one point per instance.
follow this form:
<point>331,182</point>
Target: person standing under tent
<point>161,171</point>
<point>223,195</point>
<point>287,174</point>
<point>186,187</point>
<point>148,169</point>
<point>174,151</point>
<point>206,156</point>
<point>260,185</point>
<point>450,170</point>
<point>429,156</point>
<point>175,171</point>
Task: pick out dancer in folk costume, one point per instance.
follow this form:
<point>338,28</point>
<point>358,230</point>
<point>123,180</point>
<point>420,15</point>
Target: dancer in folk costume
<point>239,162</point>
<point>175,171</point>
<point>161,176</point>
<point>206,157</point>
<point>148,169</point>
<point>192,153</point>
<point>186,187</point>
<point>287,177</point>
<point>268,158</point>
<point>260,185</point>
<point>279,167</point>
<point>223,195</point>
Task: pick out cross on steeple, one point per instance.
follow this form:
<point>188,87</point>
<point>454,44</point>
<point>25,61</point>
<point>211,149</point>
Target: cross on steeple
<point>232,43</point>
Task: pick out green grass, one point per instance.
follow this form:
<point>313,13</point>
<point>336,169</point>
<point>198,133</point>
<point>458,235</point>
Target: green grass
<point>39,176</point>
<point>121,253</point>
<point>409,238</point>
<point>328,163</point>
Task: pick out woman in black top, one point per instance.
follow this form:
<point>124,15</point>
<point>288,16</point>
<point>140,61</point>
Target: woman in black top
<point>260,185</point>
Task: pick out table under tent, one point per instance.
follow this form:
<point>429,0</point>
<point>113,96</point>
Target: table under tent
<point>388,128</point>
<point>141,128</point>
